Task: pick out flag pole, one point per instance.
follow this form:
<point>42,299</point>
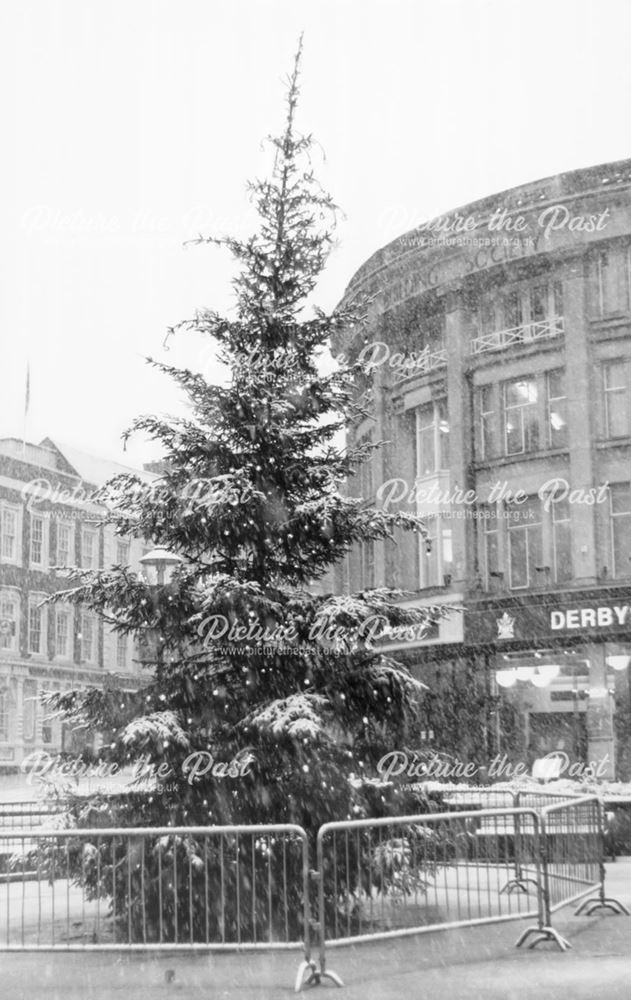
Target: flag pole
<point>27,400</point>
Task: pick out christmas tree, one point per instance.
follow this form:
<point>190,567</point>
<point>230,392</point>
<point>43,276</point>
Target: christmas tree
<point>262,701</point>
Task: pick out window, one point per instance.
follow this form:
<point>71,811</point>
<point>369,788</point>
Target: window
<point>612,288</point>
<point>122,553</point>
<point>121,651</point>
<point>89,549</point>
<point>525,543</point>
<point>513,312</point>
<point>9,620</point>
<point>538,303</point>
<point>432,438</point>
<point>88,637</point>
<point>29,710</point>
<point>615,388</point>
<point>47,722</point>
<point>487,422</point>
<point>557,409</point>
<point>9,534</point>
<point>561,541</point>
<point>521,426</point>
<point>4,715</point>
<point>435,553</point>
<point>36,624</point>
<point>620,499</point>
<point>364,470</point>
<point>63,633</point>
<point>65,554</point>
<point>37,556</point>
<point>491,554</point>
<point>367,564</point>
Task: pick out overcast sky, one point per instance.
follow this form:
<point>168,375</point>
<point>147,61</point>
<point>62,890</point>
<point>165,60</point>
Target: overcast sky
<point>132,125</point>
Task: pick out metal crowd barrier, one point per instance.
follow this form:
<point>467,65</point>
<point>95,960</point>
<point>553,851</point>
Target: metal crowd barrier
<point>148,889</point>
<point>391,877</point>
<point>26,815</point>
<point>572,849</point>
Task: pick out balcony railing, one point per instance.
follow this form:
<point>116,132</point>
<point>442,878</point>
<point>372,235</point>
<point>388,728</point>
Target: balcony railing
<point>421,364</point>
<point>525,334</point>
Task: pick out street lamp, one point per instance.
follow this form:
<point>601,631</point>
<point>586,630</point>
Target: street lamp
<point>160,565</point>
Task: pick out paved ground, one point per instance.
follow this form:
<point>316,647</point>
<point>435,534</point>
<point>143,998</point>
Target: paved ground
<point>478,962</point>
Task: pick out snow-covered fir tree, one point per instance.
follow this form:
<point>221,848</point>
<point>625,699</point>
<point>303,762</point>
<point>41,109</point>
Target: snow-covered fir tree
<point>244,663</point>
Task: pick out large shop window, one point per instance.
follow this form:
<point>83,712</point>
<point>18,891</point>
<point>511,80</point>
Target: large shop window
<point>432,438</point>
<point>615,385</point>
<point>9,620</point>
<point>521,424</point>
<point>525,543</point>
<point>620,499</point>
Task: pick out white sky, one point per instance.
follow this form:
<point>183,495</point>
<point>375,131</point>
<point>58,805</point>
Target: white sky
<point>131,125</point>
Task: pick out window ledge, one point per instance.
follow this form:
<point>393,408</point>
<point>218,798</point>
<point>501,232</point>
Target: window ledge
<point>524,456</point>
<point>618,442</point>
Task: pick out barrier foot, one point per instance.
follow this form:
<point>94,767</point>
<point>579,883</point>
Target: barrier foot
<point>543,934</point>
<point>590,906</point>
<point>517,883</point>
<point>315,976</point>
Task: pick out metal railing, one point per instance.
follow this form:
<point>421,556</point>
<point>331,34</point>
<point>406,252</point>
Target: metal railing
<point>526,333</point>
<point>147,889</point>
<point>392,877</point>
<point>27,815</point>
<point>572,851</point>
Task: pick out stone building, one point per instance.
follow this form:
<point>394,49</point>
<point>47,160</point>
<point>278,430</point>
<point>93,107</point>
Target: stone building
<point>47,519</point>
<point>498,339</point>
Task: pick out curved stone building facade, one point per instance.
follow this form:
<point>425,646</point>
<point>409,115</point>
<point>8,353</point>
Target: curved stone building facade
<point>498,339</point>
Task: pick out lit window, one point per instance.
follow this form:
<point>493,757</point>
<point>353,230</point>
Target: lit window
<point>616,409</point>
<point>525,543</point>
<point>521,424</point>
<point>620,499</point>
<point>557,410</point>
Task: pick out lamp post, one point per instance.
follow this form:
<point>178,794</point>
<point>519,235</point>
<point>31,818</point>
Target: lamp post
<point>159,566</point>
